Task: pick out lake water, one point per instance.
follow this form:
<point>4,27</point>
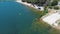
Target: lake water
<point>15,18</point>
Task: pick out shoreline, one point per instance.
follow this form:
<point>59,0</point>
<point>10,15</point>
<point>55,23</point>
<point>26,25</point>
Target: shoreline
<point>30,5</point>
<point>27,4</point>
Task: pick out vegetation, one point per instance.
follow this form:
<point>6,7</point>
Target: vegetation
<point>43,28</point>
<point>56,8</point>
<point>42,2</point>
<point>55,2</point>
<point>39,13</point>
<point>40,27</point>
<point>37,2</point>
<point>48,4</point>
<point>50,7</point>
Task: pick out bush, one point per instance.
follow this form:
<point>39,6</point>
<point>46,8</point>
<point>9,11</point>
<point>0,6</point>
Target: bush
<point>54,3</point>
<point>48,4</point>
<point>50,7</point>
<point>23,1</point>
<point>56,8</point>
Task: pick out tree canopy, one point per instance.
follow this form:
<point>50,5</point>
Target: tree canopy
<point>42,2</point>
<point>38,2</point>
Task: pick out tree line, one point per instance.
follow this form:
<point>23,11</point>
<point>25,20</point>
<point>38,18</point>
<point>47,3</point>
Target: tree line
<point>42,2</point>
<point>37,2</point>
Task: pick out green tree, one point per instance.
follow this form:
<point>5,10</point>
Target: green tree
<point>35,1</point>
<point>55,2</point>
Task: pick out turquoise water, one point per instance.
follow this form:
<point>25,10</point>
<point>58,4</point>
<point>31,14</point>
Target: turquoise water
<point>15,18</point>
<point>6,0</point>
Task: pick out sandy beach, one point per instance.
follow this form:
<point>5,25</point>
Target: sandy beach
<point>25,3</point>
<point>30,5</point>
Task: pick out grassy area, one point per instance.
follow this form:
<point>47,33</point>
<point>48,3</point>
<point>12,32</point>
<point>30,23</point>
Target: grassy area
<point>40,27</point>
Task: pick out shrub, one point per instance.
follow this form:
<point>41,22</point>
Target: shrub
<point>56,8</point>
<point>48,4</point>
<point>55,2</point>
<point>50,7</point>
<point>23,1</point>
